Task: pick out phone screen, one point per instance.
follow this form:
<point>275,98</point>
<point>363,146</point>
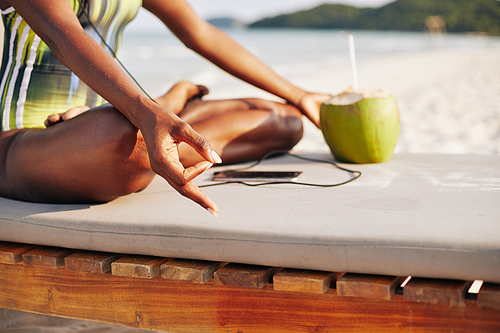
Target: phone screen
<point>257,176</point>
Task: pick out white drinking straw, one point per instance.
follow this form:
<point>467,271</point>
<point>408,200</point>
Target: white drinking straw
<point>353,62</point>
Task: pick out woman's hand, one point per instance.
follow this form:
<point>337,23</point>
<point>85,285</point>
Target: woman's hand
<point>57,118</point>
<point>162,135</point>
<point>310,103</point>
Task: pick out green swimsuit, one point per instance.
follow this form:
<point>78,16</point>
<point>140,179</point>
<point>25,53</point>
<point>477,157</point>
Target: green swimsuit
<point>34,84</point>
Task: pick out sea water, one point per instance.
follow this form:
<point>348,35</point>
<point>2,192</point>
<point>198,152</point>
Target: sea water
<point>158,59</point>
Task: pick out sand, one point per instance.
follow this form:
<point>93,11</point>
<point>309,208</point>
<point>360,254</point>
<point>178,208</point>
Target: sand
<point>449,99</point>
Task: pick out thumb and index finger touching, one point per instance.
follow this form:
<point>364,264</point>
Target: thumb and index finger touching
<point>180,178</point>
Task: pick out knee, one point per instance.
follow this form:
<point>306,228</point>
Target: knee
<point>296,129</point>
<point>288,125</point>
<point>6,139</point>
<point>126,152</point>
<point>95,157</point>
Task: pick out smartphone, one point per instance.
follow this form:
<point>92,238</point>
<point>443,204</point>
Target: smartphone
<point>257,176</point>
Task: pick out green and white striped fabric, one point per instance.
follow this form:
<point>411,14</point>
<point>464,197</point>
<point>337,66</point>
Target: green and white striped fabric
<point>34,84</point>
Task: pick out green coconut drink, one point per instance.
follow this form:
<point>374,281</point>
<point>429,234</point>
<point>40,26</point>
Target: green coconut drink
<point>361,126</point>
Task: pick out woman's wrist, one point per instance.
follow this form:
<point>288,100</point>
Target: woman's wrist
<point>142,112</point>
<point>296,96</point>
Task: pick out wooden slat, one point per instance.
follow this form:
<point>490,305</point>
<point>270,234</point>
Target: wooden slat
<point>90,262</point>
<point>489,296</point>
<point>198,271</point>
<point>303,280</point>
<point>173,306</point>
<point>451,292</point>
<point>12,253</point>
<point>369,286</point>
<point>50,257</point>
<point>144,267</point>
<point>247,276</point>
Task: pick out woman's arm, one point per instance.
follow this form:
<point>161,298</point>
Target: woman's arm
<point>217,47</point>
<point>57,25</point>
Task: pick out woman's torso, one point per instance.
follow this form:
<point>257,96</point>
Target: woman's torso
<point>34,84</point>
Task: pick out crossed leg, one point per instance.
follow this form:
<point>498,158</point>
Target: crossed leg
<point>239,130</point>
<point>243,129</point>
<point>99,155</point>
<point>94,157</point>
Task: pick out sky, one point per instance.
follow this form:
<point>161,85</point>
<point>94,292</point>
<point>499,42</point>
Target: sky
<point>249,10</point>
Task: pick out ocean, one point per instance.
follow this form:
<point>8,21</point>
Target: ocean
<point>158,59</point>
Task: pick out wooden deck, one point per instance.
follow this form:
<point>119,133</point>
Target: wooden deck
<point>179,295</point>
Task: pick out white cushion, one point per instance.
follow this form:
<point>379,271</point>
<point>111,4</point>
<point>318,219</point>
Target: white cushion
<point>421,215</point>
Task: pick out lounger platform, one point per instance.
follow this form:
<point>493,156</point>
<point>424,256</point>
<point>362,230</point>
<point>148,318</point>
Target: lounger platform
<point>275,259</point>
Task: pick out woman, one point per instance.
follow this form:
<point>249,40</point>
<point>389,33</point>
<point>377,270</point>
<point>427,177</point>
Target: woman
<point>116,150</point>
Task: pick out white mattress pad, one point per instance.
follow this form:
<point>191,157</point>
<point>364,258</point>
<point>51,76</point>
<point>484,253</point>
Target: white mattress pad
<point>435,216</point>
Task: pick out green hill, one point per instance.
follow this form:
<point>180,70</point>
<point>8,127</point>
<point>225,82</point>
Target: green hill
<point>480,16</point>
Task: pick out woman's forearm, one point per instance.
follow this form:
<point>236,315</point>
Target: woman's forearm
<point>236,60</point>
<point>220,49</point>
<point>94,66</point>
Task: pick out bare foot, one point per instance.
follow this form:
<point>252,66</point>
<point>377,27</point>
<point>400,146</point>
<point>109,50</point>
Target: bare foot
<point>181,93</point>
<point>60,117</point>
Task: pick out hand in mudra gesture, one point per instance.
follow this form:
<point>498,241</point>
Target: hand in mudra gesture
<point>163,135</point>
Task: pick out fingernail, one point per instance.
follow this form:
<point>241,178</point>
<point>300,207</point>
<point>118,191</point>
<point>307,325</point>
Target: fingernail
<point>213,212</point>
<point>216,157</point>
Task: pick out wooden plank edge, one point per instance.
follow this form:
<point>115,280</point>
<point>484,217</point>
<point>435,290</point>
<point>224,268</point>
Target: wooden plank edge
<point>12,253</point>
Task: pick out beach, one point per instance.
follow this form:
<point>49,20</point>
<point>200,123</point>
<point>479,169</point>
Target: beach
<point>447,87</point>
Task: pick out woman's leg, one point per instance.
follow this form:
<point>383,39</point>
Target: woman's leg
<point>181,93</point>
<point>94,157</point>
<point>243,129</point>
<point>239,130</point>
<point>99,155</point>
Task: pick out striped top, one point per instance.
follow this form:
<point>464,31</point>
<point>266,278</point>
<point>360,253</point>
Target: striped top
<point>34,84</point>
